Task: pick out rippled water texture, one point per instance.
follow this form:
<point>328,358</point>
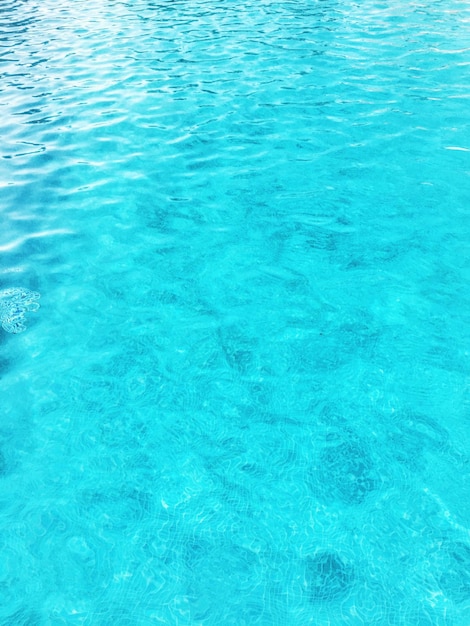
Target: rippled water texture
<point>245,397</point>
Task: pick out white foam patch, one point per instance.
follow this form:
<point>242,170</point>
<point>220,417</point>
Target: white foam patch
<point>14,303</point>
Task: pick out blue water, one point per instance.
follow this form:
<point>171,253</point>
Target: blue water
<point>244,399</point>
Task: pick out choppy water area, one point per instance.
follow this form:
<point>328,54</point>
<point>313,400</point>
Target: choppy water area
<point>245,397</point>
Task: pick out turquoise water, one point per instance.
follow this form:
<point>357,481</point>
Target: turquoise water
<point>244,399</point>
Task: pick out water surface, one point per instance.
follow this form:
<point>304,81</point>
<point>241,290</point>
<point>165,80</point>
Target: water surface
<point>244,399</point>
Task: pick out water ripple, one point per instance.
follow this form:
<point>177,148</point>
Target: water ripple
<point>250,220</point>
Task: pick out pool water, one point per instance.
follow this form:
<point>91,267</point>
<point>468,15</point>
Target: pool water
<point>244,399</point>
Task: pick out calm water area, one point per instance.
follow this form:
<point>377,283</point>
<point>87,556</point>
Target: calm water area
<point>244,398</point>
